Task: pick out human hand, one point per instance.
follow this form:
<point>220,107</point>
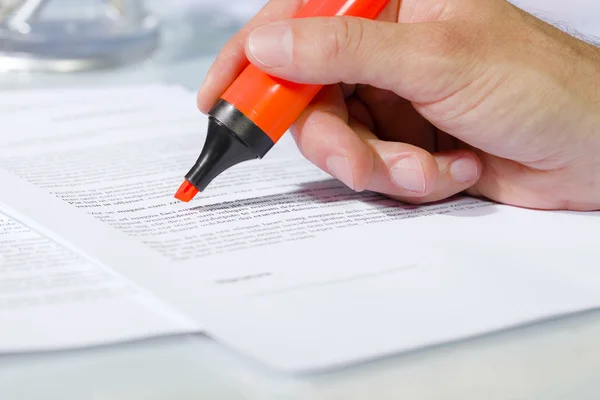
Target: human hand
<point>436,98</point>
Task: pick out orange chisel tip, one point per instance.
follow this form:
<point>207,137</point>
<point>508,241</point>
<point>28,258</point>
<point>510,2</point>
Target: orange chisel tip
<point>186,192</point>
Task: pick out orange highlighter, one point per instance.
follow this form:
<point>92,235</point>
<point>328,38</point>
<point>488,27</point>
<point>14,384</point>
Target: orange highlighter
<point>257,109</point>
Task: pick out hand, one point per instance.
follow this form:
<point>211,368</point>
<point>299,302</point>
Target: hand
<point>436,98</point>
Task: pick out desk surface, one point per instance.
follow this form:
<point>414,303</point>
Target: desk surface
<point>551,361</point>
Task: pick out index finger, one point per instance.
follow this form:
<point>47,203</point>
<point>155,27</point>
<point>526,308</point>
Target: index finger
<point>231,60</point>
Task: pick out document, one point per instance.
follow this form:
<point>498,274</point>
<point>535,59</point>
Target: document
<point>276,258</point>
<point>473,274</point>
<point>53,298</point>
<point>111,170</point>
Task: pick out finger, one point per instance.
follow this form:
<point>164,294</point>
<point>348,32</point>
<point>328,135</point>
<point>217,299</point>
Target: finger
<point>390,12</point>
<point>348,90</point>
<point>323,136</point>
<point>458,172</point>
<point>231,60</point>
<point>413,175</point>
<point>345,148</point>
<point>422,62</point>
<point>412,11</point>
<point>360,112</point>
<point>387,109</point>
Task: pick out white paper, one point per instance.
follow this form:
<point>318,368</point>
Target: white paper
<point>52,298</point>
<point>111,170</point>
<point>476,274</point>
<point>276,258</point>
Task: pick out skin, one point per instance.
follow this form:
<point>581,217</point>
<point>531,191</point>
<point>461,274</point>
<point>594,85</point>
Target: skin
<point>435,98</point>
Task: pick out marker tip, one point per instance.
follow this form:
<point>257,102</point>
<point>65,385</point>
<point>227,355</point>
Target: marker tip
<point>186,192</point>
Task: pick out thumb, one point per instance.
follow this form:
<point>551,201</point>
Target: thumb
<point>421,62</point>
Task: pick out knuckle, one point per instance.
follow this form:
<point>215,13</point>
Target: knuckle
<point>345,37</point>
<point>441,40</point>
<point>448,54</point>
<point>450,40</point>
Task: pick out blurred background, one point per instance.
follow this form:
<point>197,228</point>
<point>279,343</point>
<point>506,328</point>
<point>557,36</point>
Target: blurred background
<point>88,42</point>
<point>75,35</point>
<point>47,42</point>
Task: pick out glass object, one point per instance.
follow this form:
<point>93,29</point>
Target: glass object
<point>74,35</point>
<point>198,28</point>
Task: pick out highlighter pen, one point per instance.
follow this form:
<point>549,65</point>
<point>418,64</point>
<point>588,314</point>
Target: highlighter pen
<point>257,109</point>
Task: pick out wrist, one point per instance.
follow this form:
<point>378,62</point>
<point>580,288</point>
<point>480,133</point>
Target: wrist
<point>574,68</point>
<point>591,148</point>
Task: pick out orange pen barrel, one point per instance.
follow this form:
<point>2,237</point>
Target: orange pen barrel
<point>274,104</point>
<point>257,109</point>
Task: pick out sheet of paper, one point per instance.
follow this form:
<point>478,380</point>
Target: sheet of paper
<point>53,298</point>
<point>110,169</point>
<point>476,274</point>
<point>278,259</point>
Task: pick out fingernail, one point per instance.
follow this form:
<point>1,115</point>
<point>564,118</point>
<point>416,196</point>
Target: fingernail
<point>408,174</point>
<point>340,168</point>
<point>271,45</point>
<point>464,169</point>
